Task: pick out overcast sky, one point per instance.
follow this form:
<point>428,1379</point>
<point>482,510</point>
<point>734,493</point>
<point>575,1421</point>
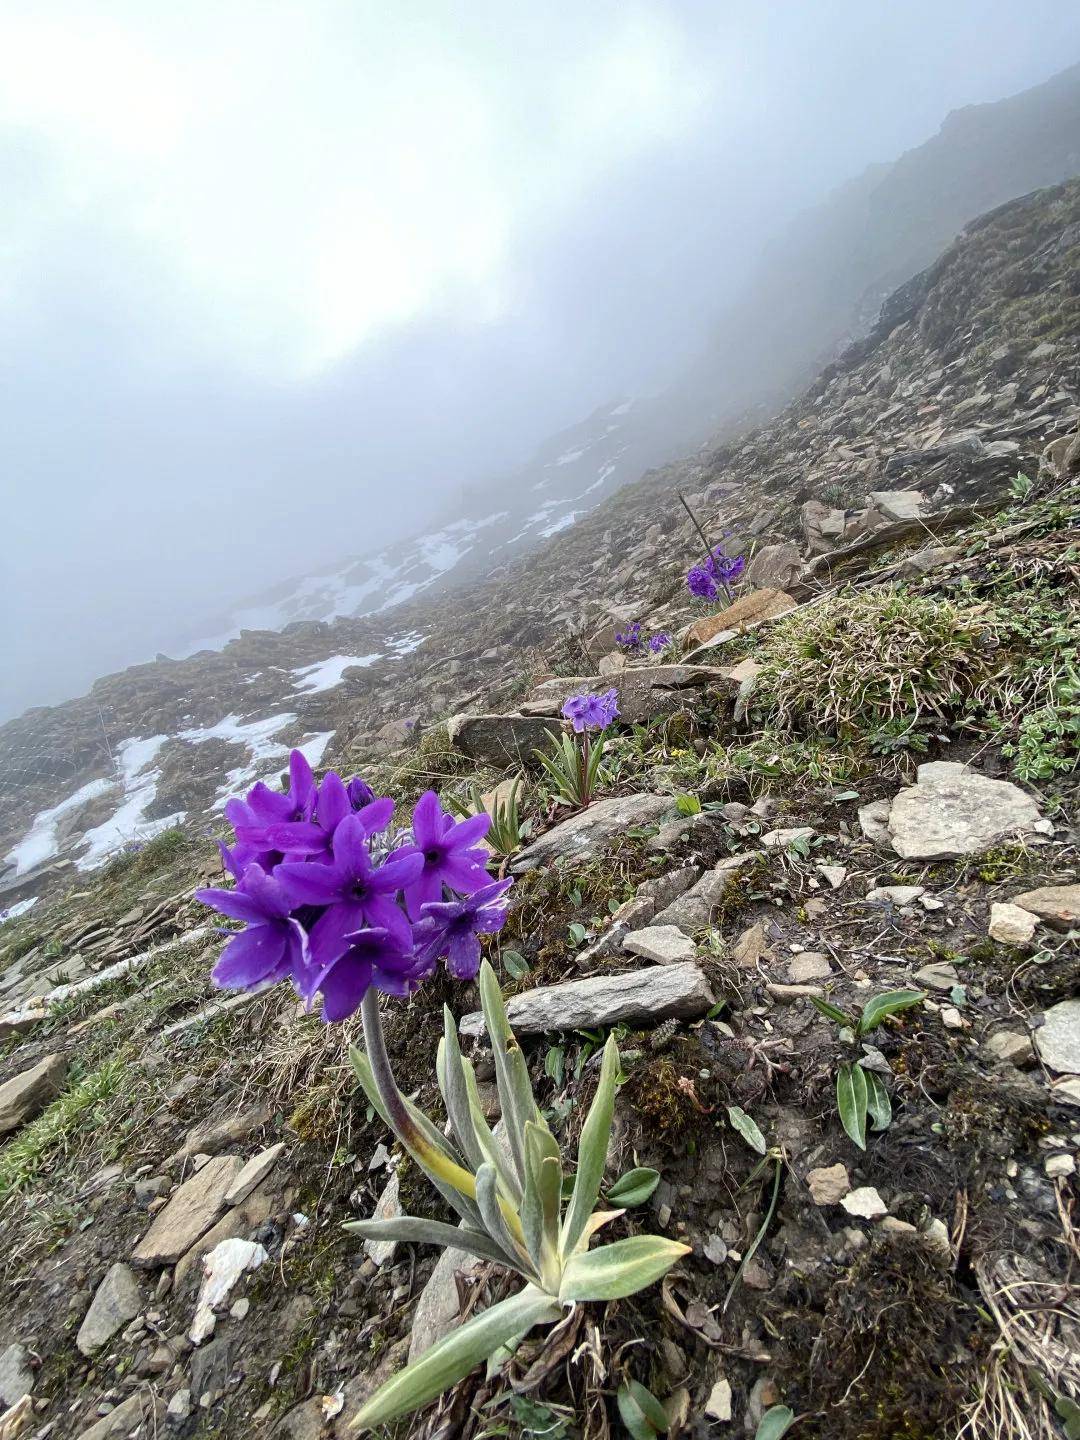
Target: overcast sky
<point>275,278</point>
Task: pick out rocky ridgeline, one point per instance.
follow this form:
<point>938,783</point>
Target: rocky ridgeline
<point>175,1163</point>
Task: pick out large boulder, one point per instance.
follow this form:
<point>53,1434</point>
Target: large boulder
<point>589,830</point>
<point>25,1096</point>
<point>643,997</point>
<point>502,740</point>
<point>775,567</point>
<point>954,811</point>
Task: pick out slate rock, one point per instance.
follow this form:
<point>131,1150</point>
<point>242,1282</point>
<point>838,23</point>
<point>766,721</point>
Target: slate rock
<point>437,1309</point>
<point>16,1374</point>
<point>387,1207</point>
<point>953,811</point>
<point>645,996</point>
<point>1058,1038</point>
<point>254,1173</point>
<point>25,1096</point>
<point>775,567</point>
<point>662,944</point>
<point>210,1369</point>
<point>140,1415</point>
<point>502,740</point>
<point>586,832</point>
<point>117,1300</point>
<point>694,909</point>
<point>1056,904</point>
<point>191,1210</point>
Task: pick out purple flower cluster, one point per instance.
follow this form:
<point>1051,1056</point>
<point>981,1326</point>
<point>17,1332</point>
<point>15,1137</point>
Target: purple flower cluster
<point>719,571</point>
<point>592,712</point>
<point>630,639</point>
<point>333,904</point>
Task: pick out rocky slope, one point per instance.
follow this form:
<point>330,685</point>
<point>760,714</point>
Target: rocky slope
<point>859,777</point>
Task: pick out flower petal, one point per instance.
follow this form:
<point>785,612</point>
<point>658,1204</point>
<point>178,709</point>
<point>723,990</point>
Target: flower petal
<point>257,956</point>
<point>426,817</point>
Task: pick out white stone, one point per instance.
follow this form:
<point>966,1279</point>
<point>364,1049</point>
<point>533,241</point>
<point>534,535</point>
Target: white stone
<point>388,1207</point>
<point>834,874</point>
<point>1010,925</point>
<point>865,1203</point>
<point>718,1405</point>
<point>781,839</point>
<point>1009,1045</point>
<point>663,944</point>
<point>895,894</point>
<point>222,1268</point>
<point>1058,1039</point>
<point>953,811</point>
<point>1058,1167</point>
<point>808,966</point>
<point>952,1019</point>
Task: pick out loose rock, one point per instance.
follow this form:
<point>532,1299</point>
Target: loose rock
<point>1056,904</point>
<point>646,996</point>
<point>189,1214</point>
<point>117,1300</point>
<point>1010,925</point>
<point>954,811</point>
<point>1058,1039</point>
<point>865,1203</point>
<point>828,1184</point>
<point>663,944</point>
<point>583,834</point>
<point>25,1096</point>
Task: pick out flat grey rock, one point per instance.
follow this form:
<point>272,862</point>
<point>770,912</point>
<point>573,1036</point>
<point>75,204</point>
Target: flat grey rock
<point>502,740</point>
<point>584,833</point>
<point>645,996</point>
<point>437,1309</point>
<point>16,1375</point>
<point>662,944</point>
<point>254,1173</point>
<point>191,1210</point>
<point>388,1207</point>
<point>693,910</point>
<point>116,1301</point>
<point>1056,904</point>
<point>140,1415</point>
<point>953,811</point>
<point>1058,1038</point>
<point>25,1096</point>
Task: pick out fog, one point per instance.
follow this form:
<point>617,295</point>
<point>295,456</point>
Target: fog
<point>276,280</point>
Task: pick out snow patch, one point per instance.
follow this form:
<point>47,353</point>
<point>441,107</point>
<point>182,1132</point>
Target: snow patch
<point>129,821</point>
<point>41,842</point>
<point>19,908</point>
<point>329,673</point>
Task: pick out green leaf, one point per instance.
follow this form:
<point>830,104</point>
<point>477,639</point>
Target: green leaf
<point>747,1128</point>
<point>487,1200</point>
<point>515,964</point>
<point>415,1231</point>
<point>555,1065</point>
<point>831,1012</point>
<point>592,1150</point>
<point>688,805</point>
<point>640,1411</point>
<point>615,1271</point>
<point>882,1006</point>
<point>455,1092</point>
<point>878,1104</point>
<point>751,1250</point>
<point>493,1152</point>
<point>578,933</point>
<point>634,1188</point>
<point>851,1101</point>
<point>776,1421</point>
<point>541,1203</point>
<point>503,1046</point>
<point>451,1359</point>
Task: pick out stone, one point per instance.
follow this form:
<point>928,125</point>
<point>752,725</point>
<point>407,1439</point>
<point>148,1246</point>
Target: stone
<point>1058,1038</point>
<point>438,1307</point>
<point>254,1173</point>
<point>775,567</point>
<point>749,609</point>
<point>874,823</point>
<point>218,1135</point>
<point>25,1096</point>
<point>808,966</point>
<point>1059,1167</point>
<point>718,1405</point>
<point>586,832</point>
<point>179,1408</point>
<point>662,944</point>
<point>750,946</point>
<point>387,1207</point>
<point>1056,904</point>
<point>897,504</point>
<point>865,1203</point>
<point>828,1184</point>
<point>16,1375</point>
<point>644,996</point>
<point>939,975</point>
<point>210,1367</point>
<point>782,839</point>
<point>190,1212</point>
<point>1010,925</point>
<point>1009,1045</point>
<point>834,875</point>
<point>785,994</point>
<point>693,910</point>
<point>222,1268</point>
<point>502,740</point>
<point>117,1300</point>
<point>136,1418</point>
<point>236,1224</point>
<point>953,811</point>
<point>894,894</point>
<point>890,1225</point>
<point>952,1019</point>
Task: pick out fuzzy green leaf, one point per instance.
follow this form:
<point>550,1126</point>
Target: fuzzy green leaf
<point>831,1012</point>
<point>502,1045</point>
<point>878,1104</point>
<point>451,1359</point>
<point>882,1006</point>
<point>416,1231</point>
<point>621,1269</point>
<point>455,1092</point>
<point>851,1101</point>
<point>634,1188</point>
<point>640,1411</point>
<point>775,1422</point>
<point>592,1150</point>
<point>487,1200</point>
<point>747,1128</point>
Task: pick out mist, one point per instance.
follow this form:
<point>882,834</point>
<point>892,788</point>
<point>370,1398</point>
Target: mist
<point>275,282</point>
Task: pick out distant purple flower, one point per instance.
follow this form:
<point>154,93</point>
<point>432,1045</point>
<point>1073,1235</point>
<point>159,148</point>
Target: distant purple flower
<point>446,848</point>
<point>359,792</point>
<point>660,641</point>
<point>357,892</point>
<point>706,581</point>
<point>372,957</point>
<point>452,928</point>
<point>592,712</point>
<point>630,638</point>
<point>272,947</point>
<point>700,583</point>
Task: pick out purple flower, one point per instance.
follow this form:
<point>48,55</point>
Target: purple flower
<point>272,946</point>
<point>630,638</point>
<point>727,568</point>
<point>706,581</point>
<point>359,792</point>
<point>445,846</point>
<point>452,928</point>
<point>700,583</point>
<point>333,805</point>
<point>356,891</point>
<point>592,712</point>
<point>660,641</point>
<point>371,957</point>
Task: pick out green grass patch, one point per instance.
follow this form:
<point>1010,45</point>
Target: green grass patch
<point>83,1107</point>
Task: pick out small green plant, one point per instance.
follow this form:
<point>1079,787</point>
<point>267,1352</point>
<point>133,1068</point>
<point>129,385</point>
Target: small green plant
<point>510,1202</point>
<point>507,829</point>
<point>640,1411</point>
<point>860,1093</point>
<point>776,1421</point>
<point>574,770</point>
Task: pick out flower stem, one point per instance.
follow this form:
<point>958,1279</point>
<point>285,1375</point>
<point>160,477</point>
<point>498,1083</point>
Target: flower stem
<point>586,748</point>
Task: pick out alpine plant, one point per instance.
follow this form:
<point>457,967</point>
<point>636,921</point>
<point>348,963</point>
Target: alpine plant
<point>344,907</point>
